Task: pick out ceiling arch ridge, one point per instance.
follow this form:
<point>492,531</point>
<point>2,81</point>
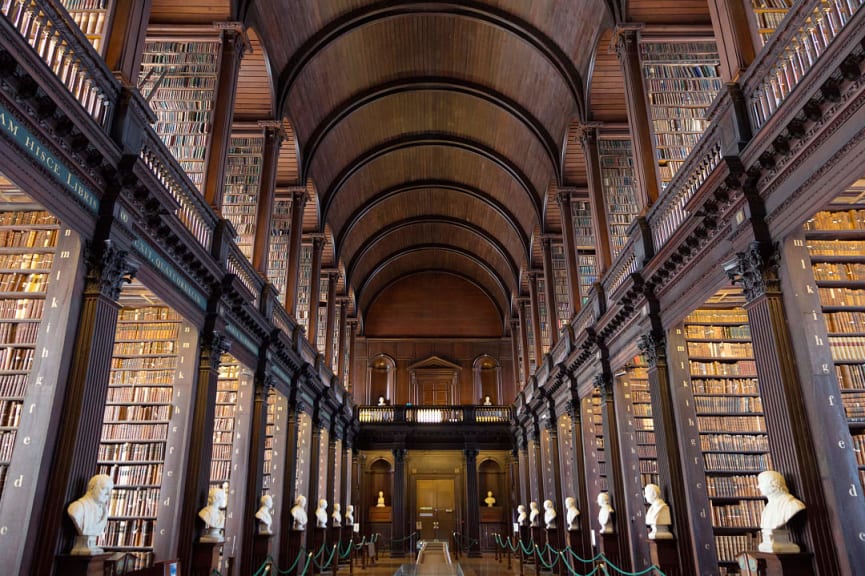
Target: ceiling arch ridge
<point>476,230</point>
<point>432,83</point>
<point>385,9</point>
<point>431,139</point>
<point>471,191</point>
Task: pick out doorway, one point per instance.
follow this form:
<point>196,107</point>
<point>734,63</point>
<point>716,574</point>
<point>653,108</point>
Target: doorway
<point>436,508</point>
<point>436,393</point>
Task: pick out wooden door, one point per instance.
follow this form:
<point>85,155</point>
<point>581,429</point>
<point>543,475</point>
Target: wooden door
<point>436,508</point>
<point>436,393</point>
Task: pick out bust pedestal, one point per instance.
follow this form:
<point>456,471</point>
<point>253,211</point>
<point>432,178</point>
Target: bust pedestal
<point>553,538</point>
<point>82,565</point>
<point>317,541</point>
<point>609,545</point>
<point>665,556</point>
<point>492,514</point>
<point>778,542</point>
<point>260,548</point>
<point>333,537</point>
<point>293,549</point>
<point>755,563</point>
<point>380,514</point>
<point>205,558</point>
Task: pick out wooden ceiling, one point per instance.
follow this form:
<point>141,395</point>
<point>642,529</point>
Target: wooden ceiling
<point>432,136</point>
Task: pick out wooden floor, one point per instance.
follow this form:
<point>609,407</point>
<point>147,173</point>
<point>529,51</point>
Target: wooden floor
<point>486,566</point>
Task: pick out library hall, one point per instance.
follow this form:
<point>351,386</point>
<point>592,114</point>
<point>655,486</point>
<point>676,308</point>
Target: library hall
<point>415,287</point>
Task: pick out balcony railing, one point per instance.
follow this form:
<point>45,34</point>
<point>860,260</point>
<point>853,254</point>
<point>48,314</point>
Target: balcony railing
<point>434,414</point>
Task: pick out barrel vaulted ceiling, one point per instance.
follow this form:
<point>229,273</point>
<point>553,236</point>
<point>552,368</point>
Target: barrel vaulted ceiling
<point>433,131</point>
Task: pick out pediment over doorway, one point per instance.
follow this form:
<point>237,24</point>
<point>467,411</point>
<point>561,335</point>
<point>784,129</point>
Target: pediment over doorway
<point>435,363</point>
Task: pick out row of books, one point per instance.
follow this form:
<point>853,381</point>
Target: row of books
<point>710,316</point>
<point>21,308</point>
<point>745,514</point>
<point>132,432</point>
<point>150,384</point>
<point>680,71</point>
<point>846,348</point>
<point>729,547</point>
<point>733,486</point>
<point>854,406</point>
<point>28,238</point>
<point>715,368</point>
<point>719,462</point>
<point>836,247</point>
<point>142,502</point>
<point>160,363</point>
<point>16,359</point>
<point>40,218</point>
<point>132,474</point>
<point>839,220</point>
<point>845,321</point>
<point>669,113</point>
<point>148,314</point>
<point>7,442</point>
<point>838,272</point>
<point>148,331</point>
<point>737,350</point>
<point>28,261</point>
<point>678,99</point>
<point>724,386</point>
<point>734,442</point>
<point>722,424</point>
<point>131,451</point>
<point>138,413</point>
<point>859,448</point>
<point>18,332</point>
<point>148,347</point>
<point>709,404</point>
<point>136,533</point>
<point>20,282</point>
<point>674,84</point>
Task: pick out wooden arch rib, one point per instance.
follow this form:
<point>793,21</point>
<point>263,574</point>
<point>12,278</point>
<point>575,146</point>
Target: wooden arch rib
<point>419,257</point>
<point>433,83</point>
<point>476,193</point>
<point>506,268</point>
<point>463,8</point>
<point>430,139</point>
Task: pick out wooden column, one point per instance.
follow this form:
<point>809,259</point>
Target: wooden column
<point>670,459</point>
<point>524,339</point>
<point>289,468</point>
<point>314,289</point>
<point>523,463</point>
<point>646,167</point>
<point>737,43</point>
<point>536,318</point>
<point>329,351</point>
<point>125,40</point>
<point>538,470</point>
<point>340,359</point>
<point>790,436</point>
<point>589,140</point>
<point>314,472</point>
<point>80,424</point>
<point>233,46</point>
<point>399,547</point>
<point>298,201</point>
<point>550,289</point>
<point>255,465</point>
<point>345,495</point>
<point>197,477</point>
<point>267,188</point>
<point>352,341</point>
<point>553,454</point>
<point>515,353</point>
<point>473,516</point>
<point>579,488</point>
<point>570,243</point>
<point>332,497</point>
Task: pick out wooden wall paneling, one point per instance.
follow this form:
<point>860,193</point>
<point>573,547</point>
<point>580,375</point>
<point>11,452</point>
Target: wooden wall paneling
<point>607,87</point>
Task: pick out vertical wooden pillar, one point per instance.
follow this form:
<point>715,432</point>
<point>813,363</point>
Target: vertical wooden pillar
<point>589,140</point>
<point>125,42</point>
<point>536,318</point>
<point>556,479</point>
<point>524,339</point>
<point>646,168</point>
<point>267,189</point>
<point>515,354</point>
<point>289,467</point>
<point>670,463</point>
<point>314,289</point>
<point>340,359</point>
<point>473,516</point>
<point>538,469</point>
<point>550,290</point>
<point>580,486</point>
<point>329,351</point>
<point>255,466</point>
<point>298,201</point>
<point>352,341</point>
<point>80,426</point>
<point>346,494</point>
<point>570,242</point>
<point>399,547</point>
<point>737,44</point>
<point>331,491</point>
<point>523,462</point>
<point>790,437</point>
<point>314,471</point>
<point>197,477</point>
<point>233,46</point>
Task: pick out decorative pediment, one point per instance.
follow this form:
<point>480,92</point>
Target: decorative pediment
<point>434,363</point>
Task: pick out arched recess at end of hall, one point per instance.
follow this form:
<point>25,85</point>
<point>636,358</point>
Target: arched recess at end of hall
<point>487,377</point>
<point>381,376</point>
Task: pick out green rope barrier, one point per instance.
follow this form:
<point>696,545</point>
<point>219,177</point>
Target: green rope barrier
<point>530,549</point>
<point>300,554</point>
<point>640,573</point>
<point>583,560</point>
<point>306,566</point>
<point>348,548</point>
<point>573,572</point>
<point>325,565</point>
<point>321,550</point>
<point>540,556</point>
<point>513,547</point>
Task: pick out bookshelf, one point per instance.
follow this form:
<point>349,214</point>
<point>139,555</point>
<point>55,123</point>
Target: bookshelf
<point>224,420</point>
<point>584,236</point>
<point>637,377</point>
<point>240,191</point>
<point>768,15</point>
<point>141,425</point>
<point>681,80</point>
<point>560,279</point>
<point>594,418</point>
<point>727,407</point>
<point>530,338</point>
<point>92,16</point>
<point>619,185</point>
<point>273,478</point>
<point>178,77</point>
<point>280,240</point>
<point>545,328</point>
<point>321,334</point>
<point>28,244</point>
<point>303,281</point>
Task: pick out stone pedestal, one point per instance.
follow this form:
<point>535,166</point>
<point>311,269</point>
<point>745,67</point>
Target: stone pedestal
<point>260,549</point>
<point>205,558</point>
<point>665,555</point>
<point>754,563</point>
<point>82,565</point>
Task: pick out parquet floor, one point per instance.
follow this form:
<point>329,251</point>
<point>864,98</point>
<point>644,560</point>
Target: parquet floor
<point>485,566</point>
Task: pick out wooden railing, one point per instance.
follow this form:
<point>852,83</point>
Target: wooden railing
<point>237,264</point>
<point>625,265</point>
<point>467,414</point>
<point>60,44</point>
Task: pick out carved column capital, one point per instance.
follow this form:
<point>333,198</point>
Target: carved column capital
<point>471,454</point>
<point>624,40</point>
<point>604,382</point>
<point>652,346</point>
<point>108,269</point>
<point>756,269</point>
<point>399,454</point>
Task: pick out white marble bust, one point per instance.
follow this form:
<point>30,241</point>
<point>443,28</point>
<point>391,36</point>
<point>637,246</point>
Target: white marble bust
<point>781,506</point>
<point>321,514</point>
<point>265,515</point>
<point>336,515</point>
<point>549,515</point>
<point>349,515</point>
<point>298,513</point>
<point>89,514</point>
<point>213,516</point>
<point>605,514</point>
<point>533,513</point>
<point>490,500</point>
<point>521,515</point>
<point>658,514</point>
<point>380,502</point>
<point>571,513</point>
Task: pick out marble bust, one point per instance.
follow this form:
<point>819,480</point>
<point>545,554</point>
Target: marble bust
<point>380,502</point>
<point>658,514</point>
<point>781,506</point>
<point>549,515</point>
<point>490,500</point>
<point>321,514</point>
<point>521,515</point>
<point>487,401</point>
<point>336,516</point>
<point>533,513</point>
<point>605,514</point>
<point>349,515</point>
<point>90,515</point>
<point>213,516</point>
<point>571,513</point>
<point>264,515</point>
<point>298,513</point>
